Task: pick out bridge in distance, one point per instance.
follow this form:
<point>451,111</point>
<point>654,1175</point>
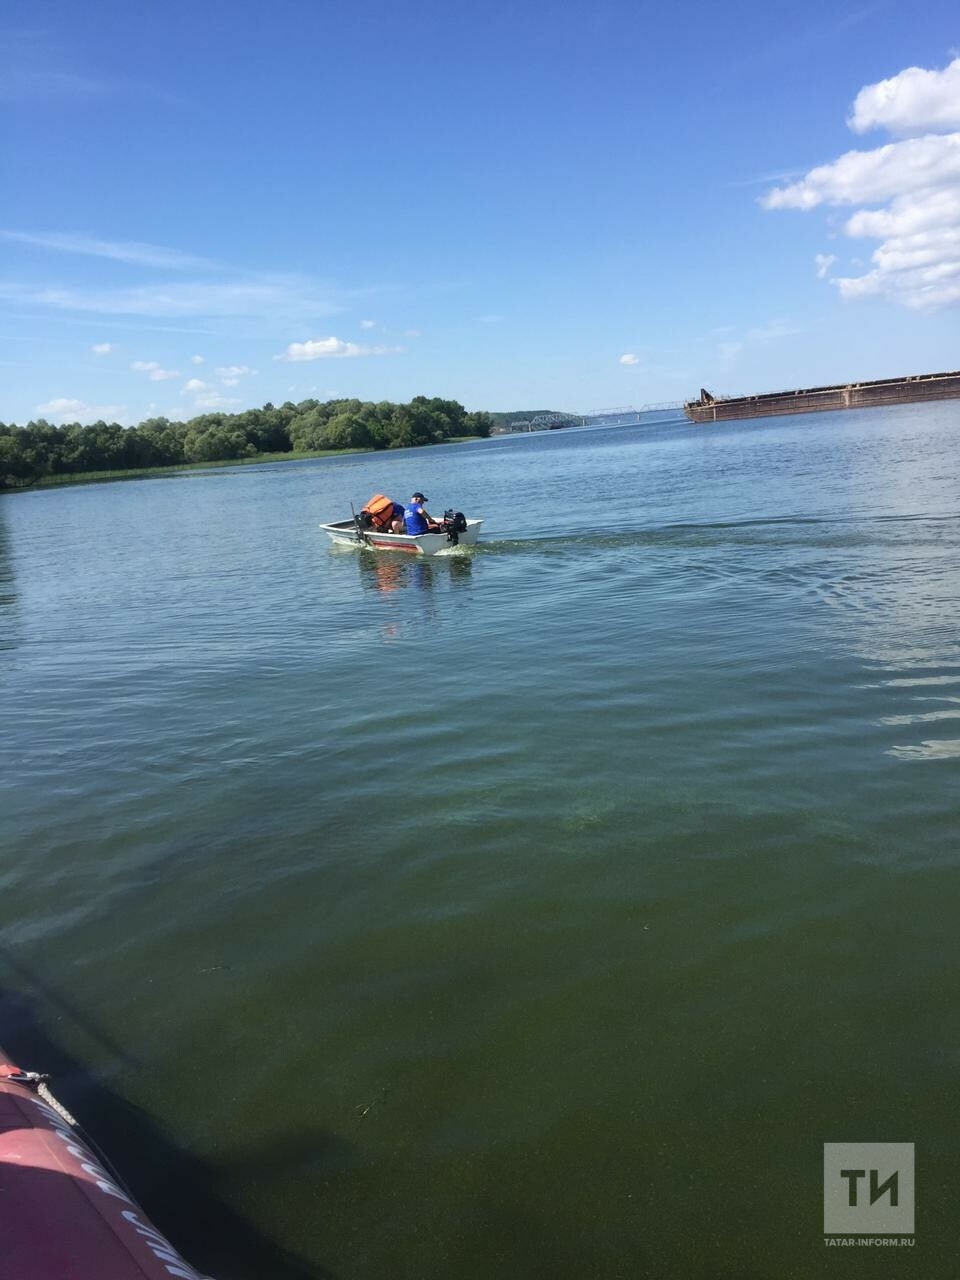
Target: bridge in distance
<point>621,416</point>
<point>631,415</point>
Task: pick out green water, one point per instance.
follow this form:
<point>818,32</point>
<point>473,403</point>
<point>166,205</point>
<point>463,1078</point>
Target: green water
<point>536,912</point>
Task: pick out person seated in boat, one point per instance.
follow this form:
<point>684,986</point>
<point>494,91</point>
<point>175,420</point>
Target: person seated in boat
<point>417,519</point>
<point>383,513</point>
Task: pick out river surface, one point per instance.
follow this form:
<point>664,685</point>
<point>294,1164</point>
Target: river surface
<point>539,911</point>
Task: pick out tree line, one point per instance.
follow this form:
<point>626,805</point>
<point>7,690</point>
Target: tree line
<point>30,453</point>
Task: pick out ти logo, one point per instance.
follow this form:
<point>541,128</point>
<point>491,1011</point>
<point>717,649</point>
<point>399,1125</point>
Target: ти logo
<point>868,1188</point>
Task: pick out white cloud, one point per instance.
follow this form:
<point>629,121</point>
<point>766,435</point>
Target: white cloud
<point>918,271</point>
<point>233,371</point>
<point>156,373</point>
<point>197,360</point>
<point>195,385</point>
<point>867,177</point>
<point>824,262</point>
<point>213,400</point>
<point>412,333</point>
<point>368,324</point>
<point>65,410</point>
<point>141,255</point>
<point>102,348</point>
<point>914,101</point>
<point>915,181</point>
<point>629,358</point>
<point>908,215</point>
<point>327,349</point>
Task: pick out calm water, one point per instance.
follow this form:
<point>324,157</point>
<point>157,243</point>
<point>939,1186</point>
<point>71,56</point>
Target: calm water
<point>538,912</point>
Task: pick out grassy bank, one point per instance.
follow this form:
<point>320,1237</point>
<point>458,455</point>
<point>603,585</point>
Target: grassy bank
<point>146,473</point>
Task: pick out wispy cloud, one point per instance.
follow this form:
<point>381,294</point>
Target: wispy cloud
<point>729,351</point>
<point>277,298</point>
<point>130,251</point>
<point>22,84</point>
<point>368,324</point>
<point>35,66</point>
<point>824,262</point>
<point>797,38</point>
<point>772,332</point>
<point>630,358</point>
<point>183,291</point>
<point>102,348</point>
<point>330,349</point>
<point>735,342</point>
<point>786,175</point>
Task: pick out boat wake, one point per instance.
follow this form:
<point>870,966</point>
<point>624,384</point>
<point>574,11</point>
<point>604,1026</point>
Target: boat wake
<point>830,531</point>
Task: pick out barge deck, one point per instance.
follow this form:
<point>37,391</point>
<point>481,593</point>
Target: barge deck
<point>851,395</point>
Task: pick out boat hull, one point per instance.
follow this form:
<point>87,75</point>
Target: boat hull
<point>344,533</point>
<point>62,1214</point>
<point>855,395</point>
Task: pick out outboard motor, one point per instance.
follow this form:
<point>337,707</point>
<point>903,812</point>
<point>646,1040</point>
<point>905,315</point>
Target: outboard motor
<point>454,523</point>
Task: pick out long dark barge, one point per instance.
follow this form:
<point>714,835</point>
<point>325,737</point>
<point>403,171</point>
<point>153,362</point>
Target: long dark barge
<point>850,395</point>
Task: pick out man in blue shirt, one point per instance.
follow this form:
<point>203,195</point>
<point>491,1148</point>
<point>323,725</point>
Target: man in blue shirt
<point>417,519</point>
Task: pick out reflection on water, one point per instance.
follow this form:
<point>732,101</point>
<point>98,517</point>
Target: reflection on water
<point>930,749</point>
<point>409,590</point>
<point>390,573</point>
<point>461,568</point>
<point>8,592</point>
<point>897,597</point>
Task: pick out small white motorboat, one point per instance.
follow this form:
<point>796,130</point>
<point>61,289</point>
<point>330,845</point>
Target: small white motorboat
<point>454,533</point>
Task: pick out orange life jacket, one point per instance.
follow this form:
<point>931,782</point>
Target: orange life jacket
<point>380,511</point>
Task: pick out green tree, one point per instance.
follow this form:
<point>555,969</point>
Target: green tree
<point>478,424</point>
<point>216,444</point>
<point>15,466</point>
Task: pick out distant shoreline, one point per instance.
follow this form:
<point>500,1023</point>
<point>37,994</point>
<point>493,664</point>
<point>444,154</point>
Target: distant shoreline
<point>43,454</point>
<point>175,469</point>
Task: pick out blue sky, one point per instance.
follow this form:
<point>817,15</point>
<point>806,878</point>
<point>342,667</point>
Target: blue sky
<point>546,205</point>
